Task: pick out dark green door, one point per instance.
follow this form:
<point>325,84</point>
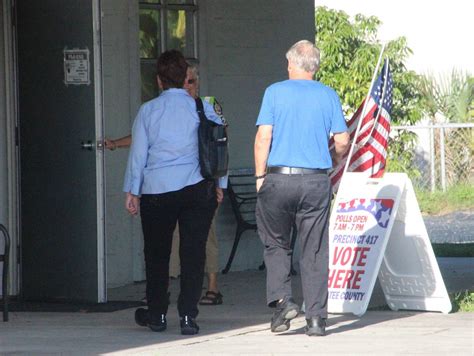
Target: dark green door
<point>60,214</point>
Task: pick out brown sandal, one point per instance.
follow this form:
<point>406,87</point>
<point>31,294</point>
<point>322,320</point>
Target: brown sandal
<point>211,298</point>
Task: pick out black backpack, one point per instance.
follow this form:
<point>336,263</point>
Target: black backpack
<point>213,146</point>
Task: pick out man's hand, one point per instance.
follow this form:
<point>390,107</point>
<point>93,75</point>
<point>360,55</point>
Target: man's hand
<point>132,203</point>
<point>259,183</point>
<point>263,140</point>
<point>335,159</point>
<point>220,195</point>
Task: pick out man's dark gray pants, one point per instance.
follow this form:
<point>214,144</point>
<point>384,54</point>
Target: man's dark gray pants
<point>303,200</point>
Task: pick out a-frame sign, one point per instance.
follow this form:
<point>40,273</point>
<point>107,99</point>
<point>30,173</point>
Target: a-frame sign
<point>376,228</point>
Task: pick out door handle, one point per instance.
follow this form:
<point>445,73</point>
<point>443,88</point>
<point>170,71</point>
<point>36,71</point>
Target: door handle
<point>89,145</point>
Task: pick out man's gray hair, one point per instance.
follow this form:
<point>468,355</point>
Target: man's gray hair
<point>305,55</point>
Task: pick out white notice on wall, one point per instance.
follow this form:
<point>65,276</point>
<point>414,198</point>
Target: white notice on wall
<point>76,67</point>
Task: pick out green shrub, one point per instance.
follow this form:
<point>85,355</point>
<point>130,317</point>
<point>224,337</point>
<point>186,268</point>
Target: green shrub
<point>463,301</point>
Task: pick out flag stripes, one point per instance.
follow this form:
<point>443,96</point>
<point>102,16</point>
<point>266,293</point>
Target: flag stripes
<point>370,151</point>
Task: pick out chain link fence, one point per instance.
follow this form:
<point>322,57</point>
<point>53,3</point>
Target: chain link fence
<point>444,154</point>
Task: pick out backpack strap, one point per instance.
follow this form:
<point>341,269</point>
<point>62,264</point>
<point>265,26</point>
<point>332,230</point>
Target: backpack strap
<point>200,109</point>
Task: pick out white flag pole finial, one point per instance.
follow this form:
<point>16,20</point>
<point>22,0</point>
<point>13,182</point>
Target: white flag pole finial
<point>374,76</point>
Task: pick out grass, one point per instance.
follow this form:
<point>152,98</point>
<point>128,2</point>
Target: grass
<point>463,301</point>
<point>459,197</point>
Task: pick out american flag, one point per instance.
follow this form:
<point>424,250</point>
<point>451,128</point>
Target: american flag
<point>370,151</point>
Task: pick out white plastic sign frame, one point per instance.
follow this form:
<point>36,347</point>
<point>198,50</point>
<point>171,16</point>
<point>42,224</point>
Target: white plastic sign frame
<point>376,228</point>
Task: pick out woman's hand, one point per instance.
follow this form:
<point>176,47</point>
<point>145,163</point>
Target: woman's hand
<point>220,195</point>
<point>110,144</point>
<point>132,203</point>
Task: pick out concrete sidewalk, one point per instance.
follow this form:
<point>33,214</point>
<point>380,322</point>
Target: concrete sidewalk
<point>241,326</point>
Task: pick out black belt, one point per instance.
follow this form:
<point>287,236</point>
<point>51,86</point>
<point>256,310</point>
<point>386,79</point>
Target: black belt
<point>295,170</point>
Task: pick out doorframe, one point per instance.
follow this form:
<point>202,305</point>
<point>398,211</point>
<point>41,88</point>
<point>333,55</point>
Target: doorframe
<point>14,145</point>
<point>100,162</point>
<point>11,110</point>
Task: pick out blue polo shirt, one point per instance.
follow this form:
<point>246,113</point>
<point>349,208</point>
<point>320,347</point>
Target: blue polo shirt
<point>164,155</point>
<point>303,113</point>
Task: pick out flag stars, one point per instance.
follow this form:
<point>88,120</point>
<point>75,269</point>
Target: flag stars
<point>384,217</point>
<point>367,204</point>
<point>377,206</point>
<point>352,203</point>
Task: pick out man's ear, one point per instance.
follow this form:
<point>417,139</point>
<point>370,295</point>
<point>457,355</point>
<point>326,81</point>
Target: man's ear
<point>160,85</point>
<point>290,66</point>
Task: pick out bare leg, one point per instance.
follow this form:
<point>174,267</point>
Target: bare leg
<point>212,282</point>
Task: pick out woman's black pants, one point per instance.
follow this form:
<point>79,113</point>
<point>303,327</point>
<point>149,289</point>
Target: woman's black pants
<point>193,207</point>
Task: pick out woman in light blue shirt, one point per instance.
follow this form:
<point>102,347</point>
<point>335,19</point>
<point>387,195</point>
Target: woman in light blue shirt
<point>164,182</point>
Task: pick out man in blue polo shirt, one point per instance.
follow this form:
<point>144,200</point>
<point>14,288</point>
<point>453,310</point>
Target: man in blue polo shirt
<point>292,157</point>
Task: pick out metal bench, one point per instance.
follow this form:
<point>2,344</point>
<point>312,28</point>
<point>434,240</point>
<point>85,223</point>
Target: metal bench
<point>243,197</point>
<point>4,259</point>
<point>242,194</point>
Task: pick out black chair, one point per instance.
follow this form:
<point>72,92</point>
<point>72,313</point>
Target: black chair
<point>4,259</point>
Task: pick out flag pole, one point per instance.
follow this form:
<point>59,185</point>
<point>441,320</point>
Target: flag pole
<point>364,109</point>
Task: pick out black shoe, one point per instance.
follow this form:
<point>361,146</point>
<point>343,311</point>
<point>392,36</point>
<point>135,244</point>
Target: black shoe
<point>156,323</point>
<point>285,311</point>
<point>188,326</point>
<point>315,326</point>
<point>142,317</point>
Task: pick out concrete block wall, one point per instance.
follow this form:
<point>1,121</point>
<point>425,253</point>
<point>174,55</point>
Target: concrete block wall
<point>242,51</point>
<point>242,46</point>
<point>245,42</point>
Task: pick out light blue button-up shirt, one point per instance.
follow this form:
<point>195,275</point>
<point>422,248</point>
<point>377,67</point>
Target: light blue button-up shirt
<point>164,155</point>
